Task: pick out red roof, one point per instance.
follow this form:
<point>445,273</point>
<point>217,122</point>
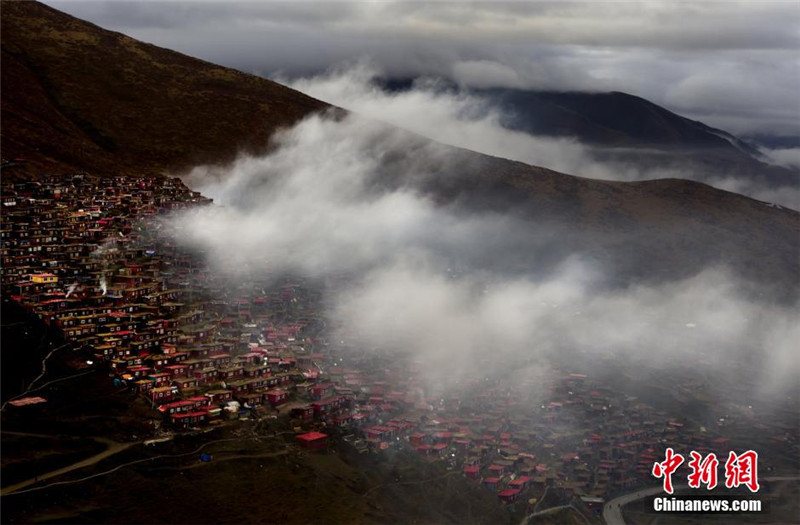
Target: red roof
<point>187,415</point>
<point>175,404</point>
<point>379,428</point>
<point>275,392</point>
<point>28,401</point>
<point>520,480</point>
<point>312,436</point>
<point>507,493</point>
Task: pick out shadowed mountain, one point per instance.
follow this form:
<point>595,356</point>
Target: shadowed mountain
<point>608,119</point>
<point>77,97</point>
<point>629,131</point>
<point>626,128</point>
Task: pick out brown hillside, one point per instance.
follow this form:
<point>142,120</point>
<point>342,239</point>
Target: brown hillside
<point>75,96</point>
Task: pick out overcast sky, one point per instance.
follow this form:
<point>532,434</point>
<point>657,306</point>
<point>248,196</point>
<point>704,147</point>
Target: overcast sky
<point>734,65</point>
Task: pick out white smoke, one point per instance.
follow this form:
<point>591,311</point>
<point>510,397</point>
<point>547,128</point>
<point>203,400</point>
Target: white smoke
<point>108,249</point>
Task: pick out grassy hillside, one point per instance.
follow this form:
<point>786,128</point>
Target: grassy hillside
<point>76,96</point>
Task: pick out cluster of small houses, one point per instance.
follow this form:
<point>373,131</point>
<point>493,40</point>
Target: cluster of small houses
<point>584,441</point>
<point>82,253</point>
<point>86,255</point>
<point>578,444</point>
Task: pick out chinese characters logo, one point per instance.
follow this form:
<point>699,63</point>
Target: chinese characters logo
<point>740,470</point>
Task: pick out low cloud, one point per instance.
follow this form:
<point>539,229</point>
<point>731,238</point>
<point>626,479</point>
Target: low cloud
<point>788,196</point>
<point>465,120</point>
<point>484,74</point>
<point>452,117</point>
<point>787,157</point>
<point>318,205</point>
<point>731,94</point>
<point>337,199</point>
<point>471,325</point>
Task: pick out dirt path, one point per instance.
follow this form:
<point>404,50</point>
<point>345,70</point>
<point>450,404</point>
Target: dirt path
<point>37,378</point>
<point>118,447</point>
<point>415,482</point>
<point>54,436</point>
<point>230,458</point>
<point>551,510</point>
<point>113,448</point>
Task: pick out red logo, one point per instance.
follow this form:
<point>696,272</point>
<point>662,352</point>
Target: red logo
<point>666,468</point>
<point>704,471</point>
<point>742,470</point>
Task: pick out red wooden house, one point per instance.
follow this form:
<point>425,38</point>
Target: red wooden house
<point>313,440</point>
<point>491,482</point>
<point>326,407</point>
<point>277,397</point>
<point>219,396</point>
<point>188,419</point>
<point>163,393</point>
<point>472,471</point>
<point>305,413</point>
<point>509,495</point>
<point>520,483</point>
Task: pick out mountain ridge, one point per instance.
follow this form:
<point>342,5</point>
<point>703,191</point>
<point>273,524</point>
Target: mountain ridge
<point>622,129</point>
<point>625,127</point>
<point>79,97</point>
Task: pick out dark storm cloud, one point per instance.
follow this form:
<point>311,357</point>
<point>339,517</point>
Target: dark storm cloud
<point>733,64</point>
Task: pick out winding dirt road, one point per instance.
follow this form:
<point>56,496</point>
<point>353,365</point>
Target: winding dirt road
<point>113,448</point>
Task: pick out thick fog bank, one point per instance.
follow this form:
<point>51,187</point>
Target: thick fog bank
<point>424,278</point>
